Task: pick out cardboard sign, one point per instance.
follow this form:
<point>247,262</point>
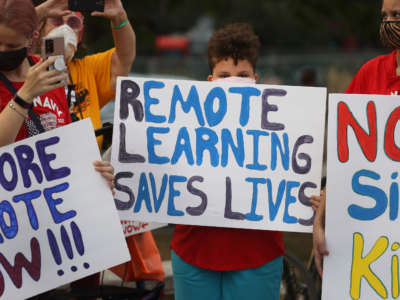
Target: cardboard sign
<point>217,154</point>
<point>58,221</point>
<point>362,211</point>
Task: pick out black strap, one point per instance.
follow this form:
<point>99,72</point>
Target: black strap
<point>13,90</point>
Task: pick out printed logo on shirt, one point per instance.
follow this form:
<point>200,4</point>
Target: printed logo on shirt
<point>47,103</point>
<point>394,93</point>
<point>49,121</point>
<point>81,101</point>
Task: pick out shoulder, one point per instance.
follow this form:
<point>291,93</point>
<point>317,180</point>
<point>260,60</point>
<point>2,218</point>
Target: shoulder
<point>93,58</point>
<point>381,62</point>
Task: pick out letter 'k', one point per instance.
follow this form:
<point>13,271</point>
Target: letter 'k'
<point>361,266</point>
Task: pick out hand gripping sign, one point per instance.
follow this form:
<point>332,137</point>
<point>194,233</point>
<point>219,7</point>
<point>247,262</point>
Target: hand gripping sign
<point>58,221</point>
<point>217,154</point>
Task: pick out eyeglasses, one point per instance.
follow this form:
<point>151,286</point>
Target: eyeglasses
<point>72,21</point>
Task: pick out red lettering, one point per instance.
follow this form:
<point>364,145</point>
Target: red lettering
<point>15,272</point>
<point>367,142</point>
<point>390,146</point>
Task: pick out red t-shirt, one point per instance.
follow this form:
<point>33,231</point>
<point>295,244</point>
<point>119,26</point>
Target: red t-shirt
<point>377,76</point>
<point>226,249</point>
<point>51,108</point>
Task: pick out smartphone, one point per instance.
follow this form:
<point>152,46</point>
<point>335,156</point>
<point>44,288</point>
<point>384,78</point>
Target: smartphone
<point>54,47</point>
<point>86,5</point>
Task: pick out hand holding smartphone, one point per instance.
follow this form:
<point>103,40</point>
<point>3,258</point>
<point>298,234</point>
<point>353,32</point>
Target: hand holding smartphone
<point>86,5</point>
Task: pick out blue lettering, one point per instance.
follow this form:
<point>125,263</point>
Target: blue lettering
<point>288,201</point>
<point>206,139</point>
<point>183,146</point>
<point>276,143</point>
<point>45,159</point>
<point>158,200</point>
<point>191,102</point>
<point>149,101</point>
<point>172,211</point>
<point>394,198</point>
<point>238,151</point>
<point>274,207</point>
<point>366,214</point>
<point>27,199</point>
<point>58,217</point>
<point>252,216</point>
<point>25,156</point>
<point>152,141</point>
<point>214,118</point>
<point>256,134</point>
<point>8,185</point>
<point>246,93</point>
<point>9,231</point>
<point>143,194</point>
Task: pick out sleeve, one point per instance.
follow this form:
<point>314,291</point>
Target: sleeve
<point>100,64</point>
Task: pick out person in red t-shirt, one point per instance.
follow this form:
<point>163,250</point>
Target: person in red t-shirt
<point>32,98</point>
<point>227,263</point>
<point>379,76</point>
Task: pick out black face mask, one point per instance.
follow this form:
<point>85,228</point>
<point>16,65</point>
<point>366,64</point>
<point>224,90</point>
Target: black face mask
<point>390,34</point>
<point>10,60</point>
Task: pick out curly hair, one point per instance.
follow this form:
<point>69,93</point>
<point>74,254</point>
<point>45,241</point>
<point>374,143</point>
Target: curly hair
<point>237,41</point>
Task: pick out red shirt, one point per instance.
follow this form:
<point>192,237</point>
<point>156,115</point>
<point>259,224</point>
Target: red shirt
<point>226,249</point>
<point>51,107</point>
<point>377,76</point>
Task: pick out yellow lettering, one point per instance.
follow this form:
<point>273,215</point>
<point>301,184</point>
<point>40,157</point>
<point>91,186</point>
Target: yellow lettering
<point>361,266</point>
<point>395,272</point>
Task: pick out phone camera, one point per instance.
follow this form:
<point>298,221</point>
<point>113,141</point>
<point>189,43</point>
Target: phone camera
<point>49,46</point>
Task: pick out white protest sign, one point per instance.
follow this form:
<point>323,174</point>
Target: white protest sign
<point>57,215</point>
<point>362,198</point>
<point>217,154</point>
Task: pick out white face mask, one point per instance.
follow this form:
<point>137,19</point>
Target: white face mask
<point>70,39</point>
<point>236,79</point>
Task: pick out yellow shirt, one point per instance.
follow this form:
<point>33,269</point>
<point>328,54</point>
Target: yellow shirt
<point>91,77</point>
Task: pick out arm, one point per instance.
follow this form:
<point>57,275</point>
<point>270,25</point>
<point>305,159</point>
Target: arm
<point>319,243</point>
<point>52,8</point>
<point>124,40</point>
<point>38,82</point>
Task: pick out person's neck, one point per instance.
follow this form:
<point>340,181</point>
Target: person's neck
<point>18,74</point>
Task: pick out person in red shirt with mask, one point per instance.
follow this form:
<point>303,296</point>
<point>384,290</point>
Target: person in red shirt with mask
<point>379,76</point>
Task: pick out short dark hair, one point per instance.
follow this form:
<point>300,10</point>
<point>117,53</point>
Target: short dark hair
<point>237,41</point>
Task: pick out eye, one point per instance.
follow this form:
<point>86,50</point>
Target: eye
<point>223,75</point>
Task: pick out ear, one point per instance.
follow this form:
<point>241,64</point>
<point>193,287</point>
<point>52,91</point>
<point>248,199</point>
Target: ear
<point>256,77</point>
<point>209,78</point>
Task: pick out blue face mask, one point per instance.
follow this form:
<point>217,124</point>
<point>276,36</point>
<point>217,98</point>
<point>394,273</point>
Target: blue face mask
<point>10,60</point>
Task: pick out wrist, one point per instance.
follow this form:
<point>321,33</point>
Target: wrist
<point>25,96</point>
<point>41,12</point>
<point>119,18</point>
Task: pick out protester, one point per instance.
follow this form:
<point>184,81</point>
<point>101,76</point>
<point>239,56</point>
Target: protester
<point>228,263</point>
<point>92,84</point>
<point>380,76</point>
<point>26,84</point>
<point>92,79</point>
